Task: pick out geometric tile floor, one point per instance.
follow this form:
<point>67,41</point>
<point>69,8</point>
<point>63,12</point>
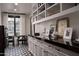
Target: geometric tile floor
<point>21,50</point>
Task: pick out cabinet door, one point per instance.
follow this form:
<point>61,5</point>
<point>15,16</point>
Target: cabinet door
<point>60,53</point>
<point>45,53</point>
<point>32,48</point>
<point>51,54</point>
<point>29,45</point>
<point>35,49</point>
<point>39,51</point>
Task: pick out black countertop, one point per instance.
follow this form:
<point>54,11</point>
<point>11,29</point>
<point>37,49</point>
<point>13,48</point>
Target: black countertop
<point>71,48</point>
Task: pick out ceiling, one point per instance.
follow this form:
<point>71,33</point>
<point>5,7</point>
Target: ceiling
<point>25,8</point>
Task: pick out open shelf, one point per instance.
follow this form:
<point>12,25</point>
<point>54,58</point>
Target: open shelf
<point>41,8</point>
<point>53,10</point>
<point>41,15</point>
<point>67,5</point>
<point>47,11</point>
<point>65,12</point>
<point>49,5</point>
<point>35,7</point>
<point>35,13</point>
<point>40,4</point>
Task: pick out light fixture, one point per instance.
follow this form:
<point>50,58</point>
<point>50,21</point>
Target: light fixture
<point>16,3</point>
<point>14,9</point>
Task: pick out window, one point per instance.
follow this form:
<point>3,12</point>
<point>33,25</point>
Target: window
<point>13,25</point>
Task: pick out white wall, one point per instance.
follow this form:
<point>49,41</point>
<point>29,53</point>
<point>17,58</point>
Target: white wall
<point>4,19</point>
<point>22,24</point>
<point>40,27</point>
<point>27,24</point>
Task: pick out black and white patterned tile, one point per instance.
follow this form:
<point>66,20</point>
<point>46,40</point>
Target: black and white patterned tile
<point>21,50</point>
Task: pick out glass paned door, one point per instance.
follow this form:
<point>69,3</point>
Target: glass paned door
<point>10,26</point>
<point>17,26</point>
<point>13,26</point>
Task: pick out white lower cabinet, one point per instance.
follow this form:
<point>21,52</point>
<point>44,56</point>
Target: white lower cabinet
<point>39,51</point>
<point>42,49</point>
<point>38,48</point>
<point>58,53</point>
<point>51,54</point>
<point>45,53</point>
<point>29,46</point>
<point>29,43</point>
<point>35,52</point>
<point>33,48</point>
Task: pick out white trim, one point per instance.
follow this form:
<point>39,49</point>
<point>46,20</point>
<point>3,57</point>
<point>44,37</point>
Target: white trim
<point>61,7</point>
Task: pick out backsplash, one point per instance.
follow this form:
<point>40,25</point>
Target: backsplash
<point>74,23</point>
<point>45,26</point>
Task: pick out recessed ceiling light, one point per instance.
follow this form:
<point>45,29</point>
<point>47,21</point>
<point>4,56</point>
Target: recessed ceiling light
<point>16,3</point>
<point>14,9</point>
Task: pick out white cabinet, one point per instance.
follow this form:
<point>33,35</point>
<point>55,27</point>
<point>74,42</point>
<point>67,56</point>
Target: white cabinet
<point>51,54</point>
<point>58,53</point>
<point>39,51</point>
<point>51,11</point>
<point>41,48</point>
<point>35,49</point>
<point>45,53</point>
<point>29,44</point>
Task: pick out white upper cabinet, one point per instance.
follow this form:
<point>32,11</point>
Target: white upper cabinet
<point>45,11</point>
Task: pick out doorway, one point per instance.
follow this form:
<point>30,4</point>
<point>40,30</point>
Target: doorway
<point>13,27</point>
